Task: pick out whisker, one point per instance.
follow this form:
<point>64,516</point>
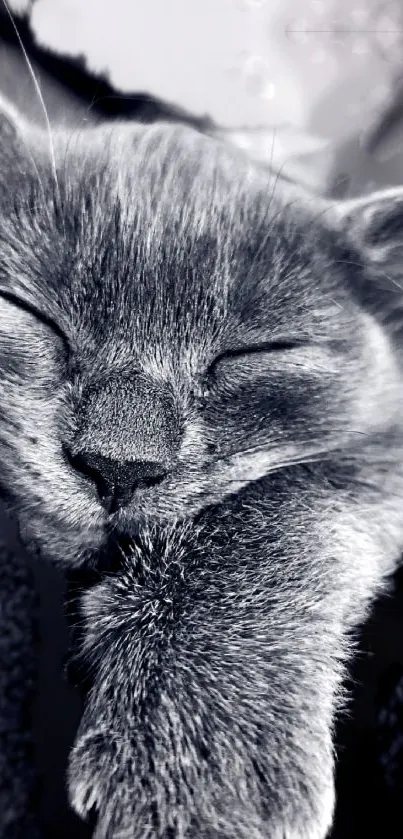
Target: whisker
<point>28,150</point>
<point>285,464</point>
<point>39,95</point>
<point>305,442</point>
<point>40,181</point>
<point>340,451</point>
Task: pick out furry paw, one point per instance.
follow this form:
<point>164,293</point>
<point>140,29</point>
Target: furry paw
<point>107,781</point>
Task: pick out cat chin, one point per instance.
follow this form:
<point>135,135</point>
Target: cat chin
<point>53,540</point>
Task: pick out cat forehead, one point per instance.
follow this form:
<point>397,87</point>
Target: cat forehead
<point>157,229</point>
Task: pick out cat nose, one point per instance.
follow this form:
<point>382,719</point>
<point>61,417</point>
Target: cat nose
<point>115,480</point>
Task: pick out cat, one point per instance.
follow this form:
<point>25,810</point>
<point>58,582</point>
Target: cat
<point>201,397</point>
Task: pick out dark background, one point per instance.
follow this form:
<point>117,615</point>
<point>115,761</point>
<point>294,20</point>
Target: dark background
<point>366,808</point>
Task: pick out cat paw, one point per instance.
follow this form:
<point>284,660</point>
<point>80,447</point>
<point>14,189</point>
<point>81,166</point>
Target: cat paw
<point>88,773</point>
<point>103,785</point>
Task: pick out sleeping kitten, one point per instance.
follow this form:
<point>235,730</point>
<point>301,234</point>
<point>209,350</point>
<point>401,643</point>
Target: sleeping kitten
<point>200,383</point>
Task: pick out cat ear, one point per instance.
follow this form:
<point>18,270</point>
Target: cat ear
<point>374,226</point>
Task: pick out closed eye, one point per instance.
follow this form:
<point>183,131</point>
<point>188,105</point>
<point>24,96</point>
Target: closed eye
<point>277,346</point>
<point>36,313</point>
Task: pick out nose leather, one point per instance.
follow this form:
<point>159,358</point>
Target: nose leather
<point>116,481</point>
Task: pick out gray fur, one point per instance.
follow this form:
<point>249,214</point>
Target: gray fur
<point>217,648</point>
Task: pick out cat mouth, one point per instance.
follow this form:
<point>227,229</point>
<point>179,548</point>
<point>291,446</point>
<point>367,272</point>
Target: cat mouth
<point>128,521</point>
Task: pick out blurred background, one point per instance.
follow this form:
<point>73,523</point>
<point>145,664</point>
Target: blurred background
<point>316,85</point>
<point>315,89</point>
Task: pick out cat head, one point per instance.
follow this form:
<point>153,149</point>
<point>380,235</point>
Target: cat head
<point>174,324</point>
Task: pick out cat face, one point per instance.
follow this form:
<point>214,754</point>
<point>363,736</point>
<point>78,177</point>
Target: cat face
<point>173,326</point>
